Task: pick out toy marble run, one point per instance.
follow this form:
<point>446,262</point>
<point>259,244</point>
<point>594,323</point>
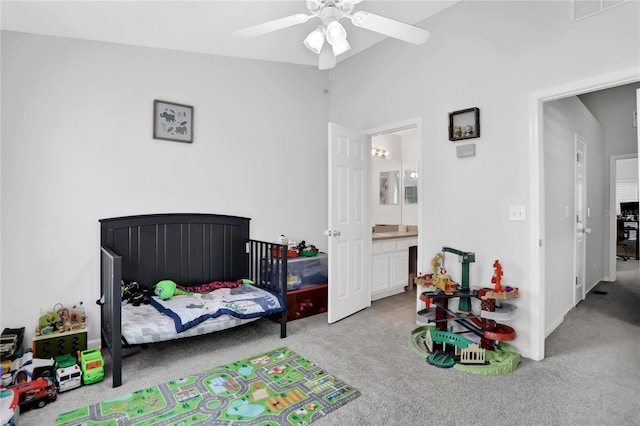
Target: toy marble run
<point>485,354</point>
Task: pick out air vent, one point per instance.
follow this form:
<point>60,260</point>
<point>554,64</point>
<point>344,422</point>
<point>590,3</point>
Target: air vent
<point>581,9</point>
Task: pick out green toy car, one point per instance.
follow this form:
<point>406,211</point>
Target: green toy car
<point>92,365</point>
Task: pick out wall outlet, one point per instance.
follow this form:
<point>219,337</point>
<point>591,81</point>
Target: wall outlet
<point>517,213</point>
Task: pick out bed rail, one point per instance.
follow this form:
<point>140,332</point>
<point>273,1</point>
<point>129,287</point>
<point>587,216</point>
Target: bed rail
<point>111,270</point>
<point>268,268</point>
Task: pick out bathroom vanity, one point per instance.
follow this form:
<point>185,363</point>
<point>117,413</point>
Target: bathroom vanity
<point>390,249</point>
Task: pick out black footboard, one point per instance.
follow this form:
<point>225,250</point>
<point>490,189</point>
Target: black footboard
<point>268,268</point>
<point>111,275</point>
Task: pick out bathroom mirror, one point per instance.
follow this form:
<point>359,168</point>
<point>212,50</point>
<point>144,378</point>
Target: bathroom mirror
<point>411,186</point>
<point>390,187</point>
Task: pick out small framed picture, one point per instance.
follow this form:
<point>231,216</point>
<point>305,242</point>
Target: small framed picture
<point>172,122</point>
<point>464,124</point>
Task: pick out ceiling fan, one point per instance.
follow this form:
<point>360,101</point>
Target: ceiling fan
<point>330,12</point>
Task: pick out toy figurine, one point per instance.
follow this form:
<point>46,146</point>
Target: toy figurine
<point>497,277</point>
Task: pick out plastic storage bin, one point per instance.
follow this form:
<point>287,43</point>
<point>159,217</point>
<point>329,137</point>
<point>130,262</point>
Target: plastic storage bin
<point>301,271</point>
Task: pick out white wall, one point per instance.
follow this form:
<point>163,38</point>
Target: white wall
<point>562,120</point>
<point>77,147</point>
<point>490,55</point>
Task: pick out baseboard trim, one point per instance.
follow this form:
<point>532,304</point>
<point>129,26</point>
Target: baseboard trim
<point>553,327</point>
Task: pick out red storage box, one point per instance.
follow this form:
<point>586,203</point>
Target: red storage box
<point>305,302</point>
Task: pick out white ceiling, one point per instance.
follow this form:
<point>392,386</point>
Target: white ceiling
<point>200,26</point>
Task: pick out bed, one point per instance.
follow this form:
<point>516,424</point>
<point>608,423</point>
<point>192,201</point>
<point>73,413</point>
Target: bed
<point>189,249</point>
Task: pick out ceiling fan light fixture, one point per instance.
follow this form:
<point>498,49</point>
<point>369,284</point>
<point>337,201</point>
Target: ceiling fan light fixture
<point>340,48</point>
<point>315,40</point>
<point>327,59</point>
<point>336,33</point>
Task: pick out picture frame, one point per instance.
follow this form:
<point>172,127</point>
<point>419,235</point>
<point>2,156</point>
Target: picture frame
<point>172,121</point>
<point>464,124</point>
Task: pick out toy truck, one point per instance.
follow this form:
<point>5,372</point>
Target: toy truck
<point>92,366</point>
<point>11,343</point>
<point>36,393</point>
<point>68,373</point>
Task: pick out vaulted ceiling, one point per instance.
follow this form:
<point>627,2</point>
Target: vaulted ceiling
<point>200,26</point>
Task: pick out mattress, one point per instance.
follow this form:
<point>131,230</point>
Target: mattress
<point>145,324</point>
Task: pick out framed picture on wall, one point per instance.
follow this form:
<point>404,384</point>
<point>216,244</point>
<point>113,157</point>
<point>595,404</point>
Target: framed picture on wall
<point>464,124</point>
<point>172,122</point>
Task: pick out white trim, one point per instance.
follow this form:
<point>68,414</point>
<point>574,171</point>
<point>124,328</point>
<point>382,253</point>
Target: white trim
<point>536,258</point>
<point>578,139</point>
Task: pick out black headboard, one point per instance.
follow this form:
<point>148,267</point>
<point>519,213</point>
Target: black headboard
<point>189,249</point>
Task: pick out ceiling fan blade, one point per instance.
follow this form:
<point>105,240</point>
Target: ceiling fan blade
<point>390,27</point>
<point>275,25</point>
<point>327,59</point>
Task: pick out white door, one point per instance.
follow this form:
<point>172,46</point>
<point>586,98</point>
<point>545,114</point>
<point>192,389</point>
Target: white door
<point>581,215</point>
<point>349,229</point>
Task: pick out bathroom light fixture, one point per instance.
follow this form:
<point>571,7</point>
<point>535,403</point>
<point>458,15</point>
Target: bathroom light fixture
<point>379,153</point>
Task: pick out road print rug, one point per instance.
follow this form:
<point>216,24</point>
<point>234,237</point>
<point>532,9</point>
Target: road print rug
<point>274,388</point>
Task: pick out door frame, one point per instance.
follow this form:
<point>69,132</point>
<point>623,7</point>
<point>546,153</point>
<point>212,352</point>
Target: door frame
<point>537,100</point>
<point>395,127</point>
<point>613,244</point>
<point>581,207</point>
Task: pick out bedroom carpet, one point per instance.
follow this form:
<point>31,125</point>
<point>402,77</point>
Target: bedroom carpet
<point>590,374</point>
<point>278,387</point>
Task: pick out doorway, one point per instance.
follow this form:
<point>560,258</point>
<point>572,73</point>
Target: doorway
<point>542,234</point>
<point>623,206</point>
<point>404,140</point>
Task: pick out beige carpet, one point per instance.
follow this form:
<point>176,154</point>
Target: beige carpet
<point>590,375</point>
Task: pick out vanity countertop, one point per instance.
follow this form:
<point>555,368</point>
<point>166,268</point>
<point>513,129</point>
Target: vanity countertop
<point>387,235</point>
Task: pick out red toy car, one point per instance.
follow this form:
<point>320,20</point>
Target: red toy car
<point>36,393</point>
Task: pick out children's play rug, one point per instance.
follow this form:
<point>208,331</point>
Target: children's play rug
<point>275,388</point>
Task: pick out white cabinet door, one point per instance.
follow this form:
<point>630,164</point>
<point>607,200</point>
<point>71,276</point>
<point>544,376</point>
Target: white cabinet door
<point>399,268</point>
<point>379,272</point>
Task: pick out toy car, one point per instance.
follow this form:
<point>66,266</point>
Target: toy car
<point>11,344</point>
<point>68,373</point>
<point>36,393</point>
<point>92,366</point>
<point>8,345</point>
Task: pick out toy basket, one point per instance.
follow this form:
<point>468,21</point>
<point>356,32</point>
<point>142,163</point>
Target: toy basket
<point>277,252</point>
<point>309,253</point>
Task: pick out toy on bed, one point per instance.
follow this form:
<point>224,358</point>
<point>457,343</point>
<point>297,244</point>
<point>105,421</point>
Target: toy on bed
<point>166,289</point>
<point>135,294</point>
